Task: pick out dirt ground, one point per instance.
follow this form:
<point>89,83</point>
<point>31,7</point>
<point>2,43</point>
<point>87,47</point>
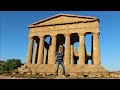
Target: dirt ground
<point>11,76</point>
<point>33,77</point>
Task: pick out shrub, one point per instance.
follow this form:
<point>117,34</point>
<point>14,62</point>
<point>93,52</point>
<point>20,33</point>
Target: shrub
<point>11,64</point>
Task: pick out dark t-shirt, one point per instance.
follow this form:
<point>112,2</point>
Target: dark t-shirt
<point>59,56</point>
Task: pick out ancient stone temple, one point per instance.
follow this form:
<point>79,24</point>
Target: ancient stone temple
<point>63,29</point>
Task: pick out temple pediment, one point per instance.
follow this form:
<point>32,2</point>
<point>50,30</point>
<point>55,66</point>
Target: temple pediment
<point>63,19</point>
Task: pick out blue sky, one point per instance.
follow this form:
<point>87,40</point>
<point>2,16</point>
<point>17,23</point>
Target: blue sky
<point>14,32</point>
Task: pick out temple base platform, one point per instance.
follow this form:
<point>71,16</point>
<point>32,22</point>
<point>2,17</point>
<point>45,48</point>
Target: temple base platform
<point>70,70</point>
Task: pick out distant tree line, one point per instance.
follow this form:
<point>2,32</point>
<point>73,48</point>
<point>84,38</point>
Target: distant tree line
<point>9,65</point>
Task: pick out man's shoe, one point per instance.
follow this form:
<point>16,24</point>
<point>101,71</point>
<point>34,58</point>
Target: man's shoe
<point>63,75</point>
<point>56,75</point>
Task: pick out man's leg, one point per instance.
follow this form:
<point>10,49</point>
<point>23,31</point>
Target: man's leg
<point>57,66</point>
<point>62,64</point>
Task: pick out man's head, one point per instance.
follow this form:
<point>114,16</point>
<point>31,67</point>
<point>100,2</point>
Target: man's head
<point>61,48</point>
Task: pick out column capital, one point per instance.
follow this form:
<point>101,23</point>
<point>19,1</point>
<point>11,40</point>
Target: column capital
<point>40,36</point>
<point>53,35</point>
<point>81,34</point>
<point>30,37</point>
<point>67,35</point>
<point>96,33</point>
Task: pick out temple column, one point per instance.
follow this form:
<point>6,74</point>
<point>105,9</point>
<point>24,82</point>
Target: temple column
<point>72,50</point>
<point>41,47</point>
<point>96,49</point>
<point>67,49</point>
<point>45,55</point>
<point>30,51</point>
<point>81,48</point>
<point>53,50</point>
<point>36,53</point>
<point>49,52</point>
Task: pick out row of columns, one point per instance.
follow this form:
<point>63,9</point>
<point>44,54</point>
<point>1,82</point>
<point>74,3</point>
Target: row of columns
<point>68,50</point>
